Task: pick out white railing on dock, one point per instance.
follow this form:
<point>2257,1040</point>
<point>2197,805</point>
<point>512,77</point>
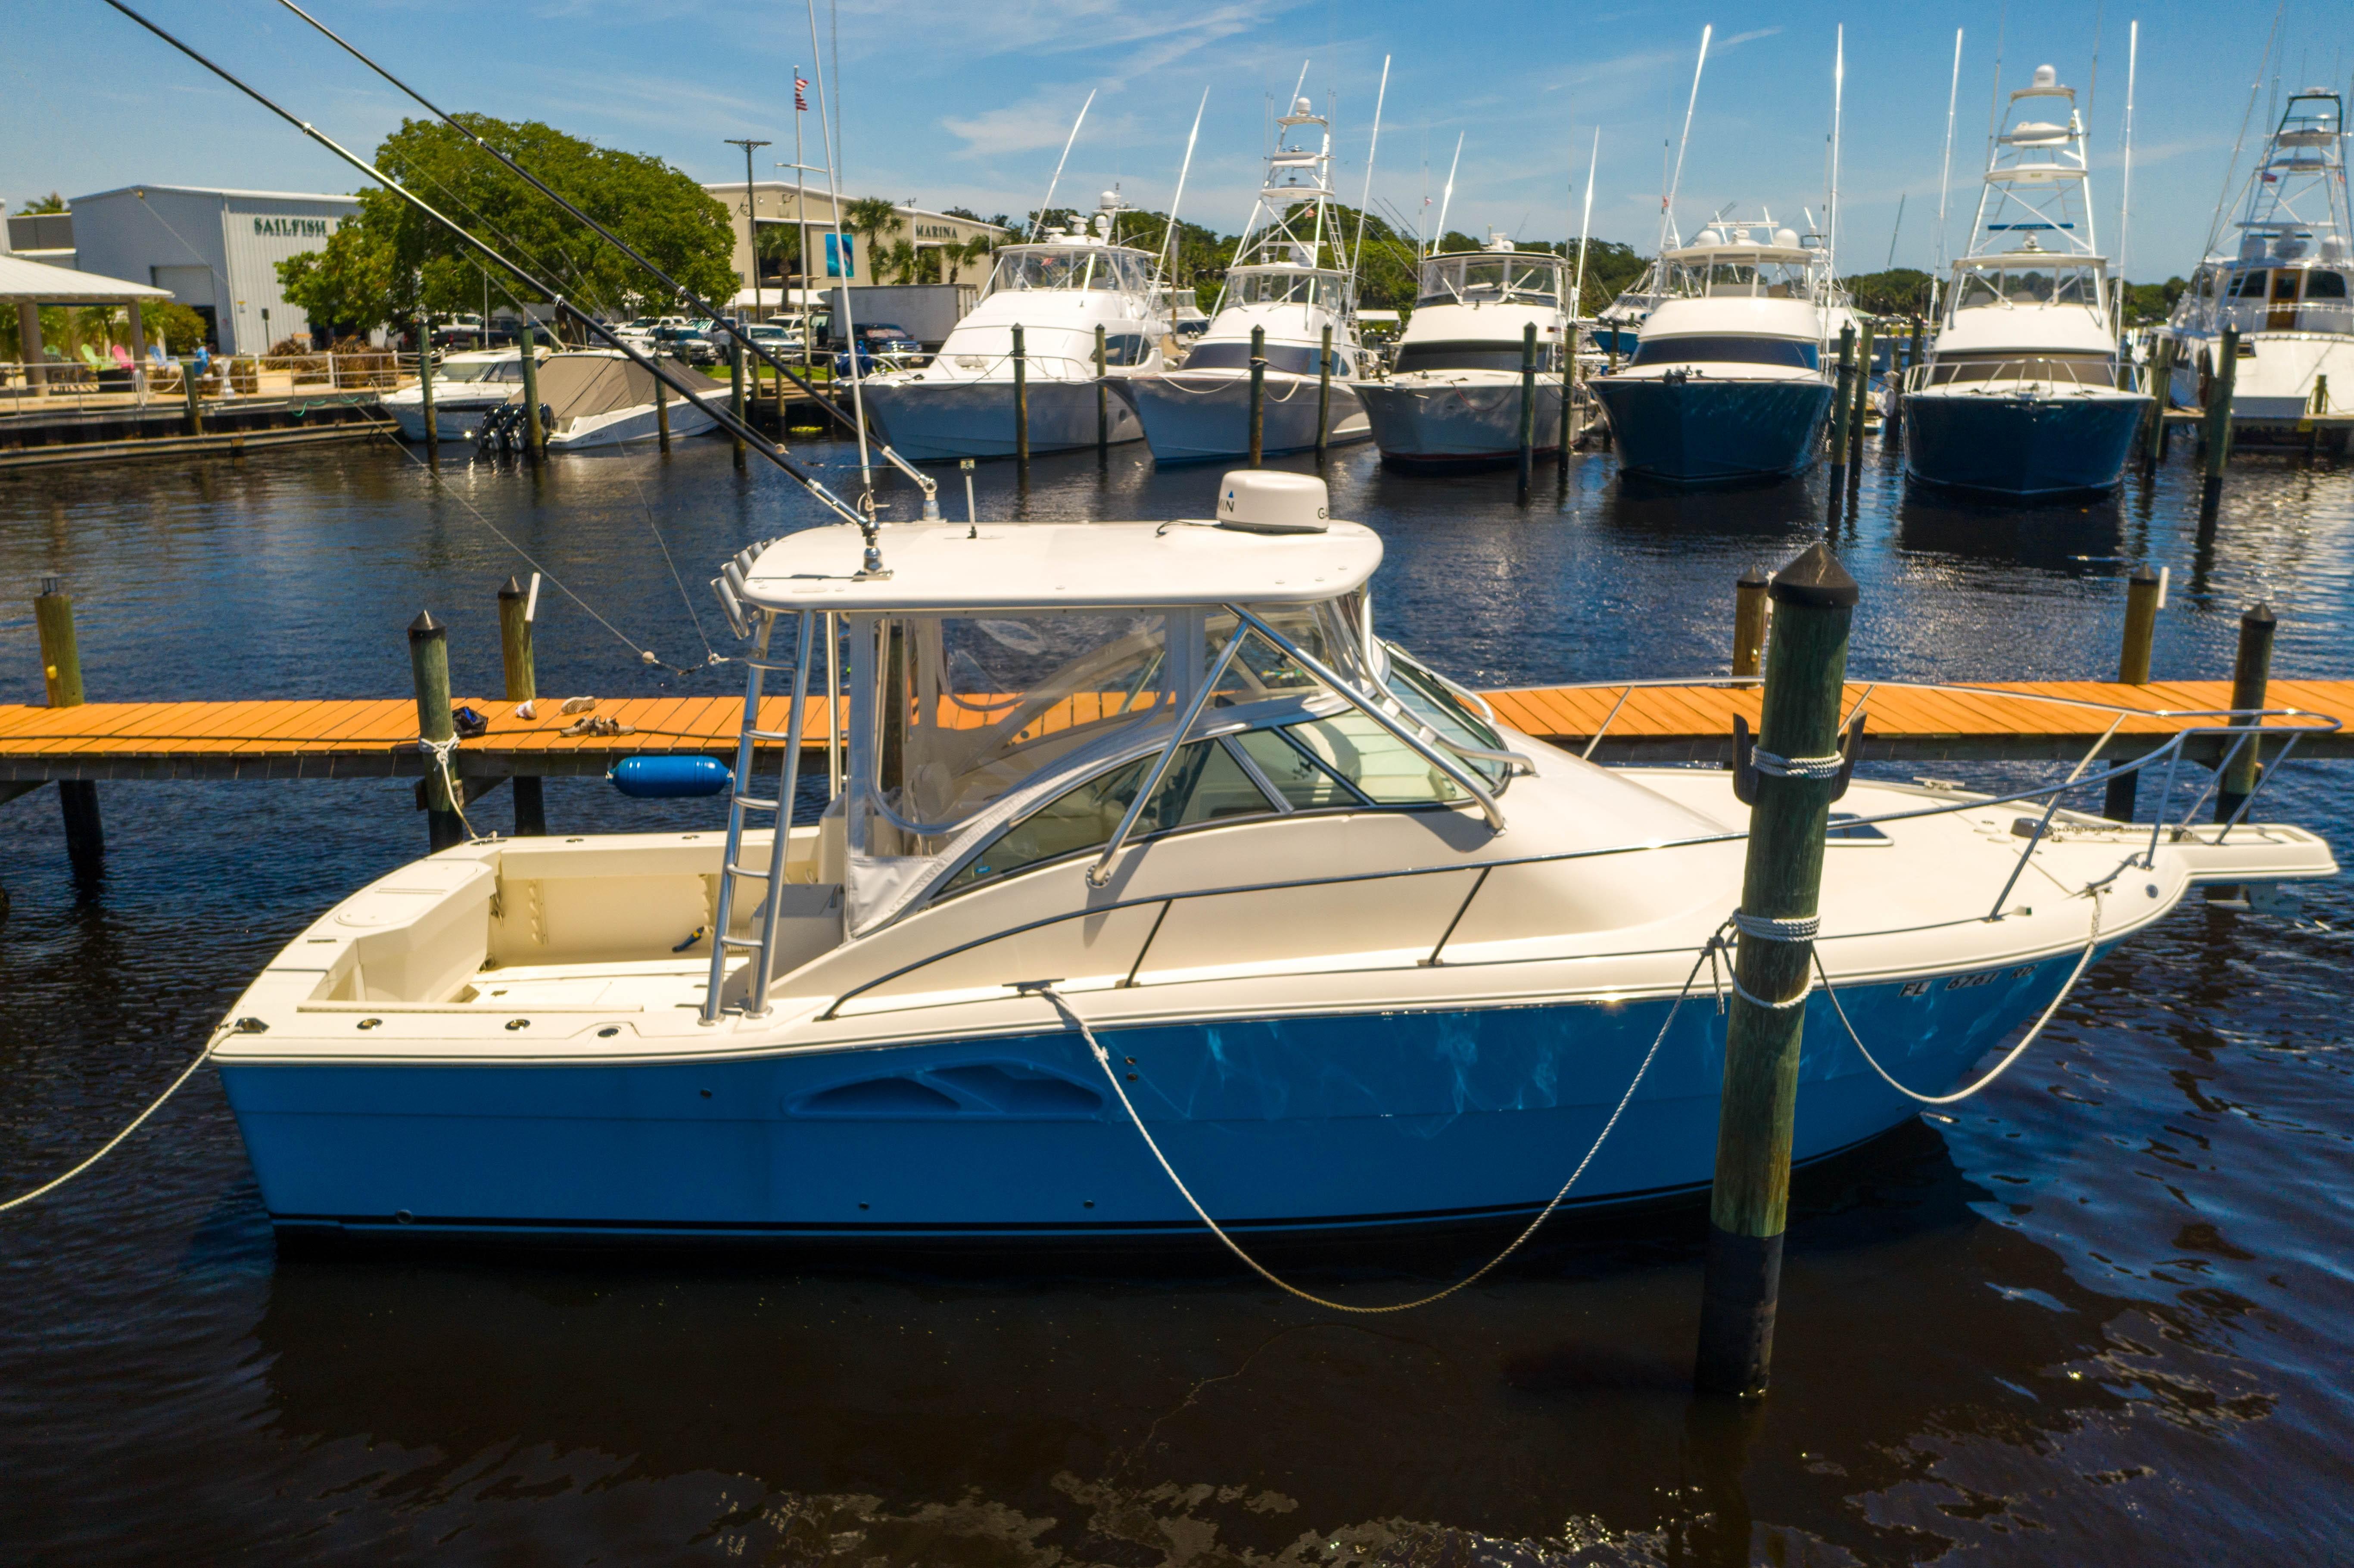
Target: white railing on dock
<point>62,387</point>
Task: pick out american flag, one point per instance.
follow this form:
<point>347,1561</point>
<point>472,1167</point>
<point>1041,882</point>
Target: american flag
<point>800,84</point>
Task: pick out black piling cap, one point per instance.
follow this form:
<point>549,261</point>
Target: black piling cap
<point>1817,580</point>
<point>2258,614</point>
<point>425,627</point>
<point>1754,577</point>
<point>513,589</point>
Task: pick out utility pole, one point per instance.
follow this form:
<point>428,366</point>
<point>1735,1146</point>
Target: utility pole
<point>751,215</point>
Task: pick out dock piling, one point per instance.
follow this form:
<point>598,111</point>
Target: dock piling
<point>425,384</point>
<point>1748,621</point>
<point>535,429</point>
<point>735,393</point>
<point>1568,389</point>
<point>61,674</point>
<point>1781,888</point>
<point>1855,420</point>
<point>2133,670</point>
<point>1840,416</point>
<point>428,669</point>
<point>1528,406</point>
<point>517,609</point>
<point>1021,400</point>
<point>2215,430</point>
<point>1103,399</point>
<point>1259,397</point>
<point>1324,393</point>
<point>661,413</point>
<point>2252,670</point>
<point>196,399</point>
<point>2161,375</point>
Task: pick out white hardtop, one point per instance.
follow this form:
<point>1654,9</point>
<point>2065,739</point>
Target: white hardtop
<point>1045,565</point>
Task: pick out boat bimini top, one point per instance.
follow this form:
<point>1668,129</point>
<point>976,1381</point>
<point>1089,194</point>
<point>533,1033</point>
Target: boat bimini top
<point>1074,680</point>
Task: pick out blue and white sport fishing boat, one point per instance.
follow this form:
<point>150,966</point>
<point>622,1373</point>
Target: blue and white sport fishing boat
<point>1294,281</point>
<point>1453,399</point>
<point>1355,953</point>
<point>1730,382</point>
<point>2024,392</point>
<point>1060,292</point>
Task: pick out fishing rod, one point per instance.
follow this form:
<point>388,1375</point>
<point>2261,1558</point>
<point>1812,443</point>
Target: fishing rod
<point>931,496</point>
<point>719,414</point>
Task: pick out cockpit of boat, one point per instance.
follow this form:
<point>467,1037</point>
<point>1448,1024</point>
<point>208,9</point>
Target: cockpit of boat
<point>1485,276</point>
<point>1083,264</point>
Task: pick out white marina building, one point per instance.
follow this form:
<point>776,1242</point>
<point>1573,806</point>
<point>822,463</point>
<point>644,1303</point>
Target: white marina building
<point>216,250</point>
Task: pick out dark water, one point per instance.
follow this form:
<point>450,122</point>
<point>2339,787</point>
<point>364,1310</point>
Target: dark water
<point>2100,1315</point>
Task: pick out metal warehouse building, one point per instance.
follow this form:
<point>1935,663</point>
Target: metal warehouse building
<point>215,250</point>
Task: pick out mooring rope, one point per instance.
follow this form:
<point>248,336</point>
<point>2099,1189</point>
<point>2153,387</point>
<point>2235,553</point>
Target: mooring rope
<point>108,1147</point>
<point>1103,1059</point>
<point>2092,942</point>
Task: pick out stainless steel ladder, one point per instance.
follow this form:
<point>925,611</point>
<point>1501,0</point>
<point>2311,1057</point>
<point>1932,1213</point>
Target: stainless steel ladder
<point>780,811</point>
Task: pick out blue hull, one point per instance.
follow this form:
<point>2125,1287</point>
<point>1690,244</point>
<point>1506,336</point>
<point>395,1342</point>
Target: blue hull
<point>1711,432</point>
<point>2021,446</point>
<point>1289,1125</point>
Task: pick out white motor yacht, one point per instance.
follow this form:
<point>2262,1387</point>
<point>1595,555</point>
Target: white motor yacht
<point>465,387</point>
<point>2025,393</point>
<point>2286,289</point>
<point>600,398</point>
<point>1453,397</point>
<point>1731,380</point>
<point>1151,862</point>
<point>1292,281</point>
<point>1059,293</point>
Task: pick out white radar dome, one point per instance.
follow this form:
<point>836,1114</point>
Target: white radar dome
<point>1786,237</point>
<point>1300,106</point>
<point>2046,76</point>
<point>1709,237</point>
<point>1267,501</point>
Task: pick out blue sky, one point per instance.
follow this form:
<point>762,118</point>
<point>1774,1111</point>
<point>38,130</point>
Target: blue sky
<point>969,103</point>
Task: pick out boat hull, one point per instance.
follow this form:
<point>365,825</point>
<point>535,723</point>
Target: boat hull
<point>1462,424</point>
<point>1712,429</point>
<point>624,426</point>
<point>452,422</point>
<point>2022,446</point>
<point>1292,1125</point>
<point>1206,415</point>
<point>928,421</point>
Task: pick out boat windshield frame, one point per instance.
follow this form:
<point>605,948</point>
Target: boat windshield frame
<point>2077,280</point>
<point>1065,268</point>
<point>1491,277</point>
<point>1286,283</point>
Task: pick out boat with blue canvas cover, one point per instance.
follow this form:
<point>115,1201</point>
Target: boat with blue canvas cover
<point>1729,383</point>
<point>1357,955</point>
<point>2025,393</point>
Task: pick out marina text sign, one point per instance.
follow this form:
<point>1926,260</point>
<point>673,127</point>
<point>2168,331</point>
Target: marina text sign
<point>294,228</point>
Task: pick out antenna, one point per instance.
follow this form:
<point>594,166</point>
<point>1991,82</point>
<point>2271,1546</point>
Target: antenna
<point>2125,182</point>
<point>1169,245</point>
<point>1945,172</point>
<point>1584,225</point>
<point>1359,252</point>
<point>1439,238</point>
<point>1894,232</point>
<point>1675,181</point>
<point>1839,92</point>
<point>1058,180</point>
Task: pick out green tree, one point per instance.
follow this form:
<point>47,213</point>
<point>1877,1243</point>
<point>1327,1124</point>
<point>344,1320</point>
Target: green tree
<point>872,219</point>
<point>1903,291</point>
<point>50,203</point>
<point>347,286</point>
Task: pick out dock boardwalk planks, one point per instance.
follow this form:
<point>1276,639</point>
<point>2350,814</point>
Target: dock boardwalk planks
<point>377,737</point>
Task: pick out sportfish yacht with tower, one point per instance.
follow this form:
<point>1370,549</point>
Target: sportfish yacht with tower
<point>1148,861</point>
<point>2286,289</point>
<point>1729,382</point>
<point>1453,397</point>
<point>1058,293</point>
<point>1293,280</point>
<point>2024,392</point>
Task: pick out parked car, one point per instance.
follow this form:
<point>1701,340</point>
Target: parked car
<point>776,339</point>
<point>684,343</point>
<point>881,346</point>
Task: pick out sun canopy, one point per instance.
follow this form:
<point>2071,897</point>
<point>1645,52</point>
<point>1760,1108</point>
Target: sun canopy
<point>937,567</point>
<point>601,381</point>
<point>24,282</point>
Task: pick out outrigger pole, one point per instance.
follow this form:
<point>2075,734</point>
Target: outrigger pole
<point>1357,251</point>
<point>1676,180</point>
<point>1946,175</point>
<point>1068,141</point>
<point>1167,267</point>
<point>931,496</point>
<point>718,413</point>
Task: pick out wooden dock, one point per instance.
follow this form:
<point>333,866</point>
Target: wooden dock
<point>377,737</point>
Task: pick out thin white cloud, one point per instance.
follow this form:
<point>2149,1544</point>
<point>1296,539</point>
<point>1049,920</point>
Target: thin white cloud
<point>1738,39</point>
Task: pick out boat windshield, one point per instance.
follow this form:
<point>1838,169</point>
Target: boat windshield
<point>1487,276</point>
<point>1073,266</point>
<point>1285,286</point>
<point>2036,284</point>
<point>1290,358</point>
<point>1726,349</point>
<point>976,706</point>
<point>498,370</point>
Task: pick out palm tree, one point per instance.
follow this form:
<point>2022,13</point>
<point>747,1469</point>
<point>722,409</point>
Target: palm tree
<point>871,218</point>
